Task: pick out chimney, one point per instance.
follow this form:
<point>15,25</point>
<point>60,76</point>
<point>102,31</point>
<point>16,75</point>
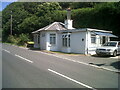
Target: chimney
<point>68,22</point>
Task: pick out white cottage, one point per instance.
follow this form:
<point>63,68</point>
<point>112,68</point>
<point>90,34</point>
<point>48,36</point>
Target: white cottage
<point>63,37</point>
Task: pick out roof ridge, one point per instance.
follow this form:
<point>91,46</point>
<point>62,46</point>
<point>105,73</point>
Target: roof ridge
<point>59,25</point>
<point>50,25</point>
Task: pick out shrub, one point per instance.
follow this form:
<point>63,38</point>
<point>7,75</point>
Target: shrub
<point>12,39</point>
<point>23,39</point>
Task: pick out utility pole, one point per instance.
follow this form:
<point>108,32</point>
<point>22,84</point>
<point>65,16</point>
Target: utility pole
<point>11,24</point>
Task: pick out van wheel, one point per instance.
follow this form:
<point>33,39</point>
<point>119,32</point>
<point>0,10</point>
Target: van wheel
<point>115,53</point>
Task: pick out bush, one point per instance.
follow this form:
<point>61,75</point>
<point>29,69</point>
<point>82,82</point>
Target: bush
<point>18,40</point>
<point>12,39</point>
<point>23,39</point>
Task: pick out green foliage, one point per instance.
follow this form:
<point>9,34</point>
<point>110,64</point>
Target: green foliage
<point>103,16</point>
<point>13,39</point>
<point>0,13</point>
<point>83,19</point>
<point>58,16</point>
<point>47,7</point>
<point>76,5</point>
<point>0,33</point>
<point>31,16</point>
<point>18,40</point>
<point>31,7</point>
<point>29,24</point>
<point>18,15</point>
<point>23,39</point>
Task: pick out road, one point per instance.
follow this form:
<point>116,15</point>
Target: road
<point>24,68</point>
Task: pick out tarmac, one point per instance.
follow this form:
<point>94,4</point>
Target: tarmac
<point>109,63</point>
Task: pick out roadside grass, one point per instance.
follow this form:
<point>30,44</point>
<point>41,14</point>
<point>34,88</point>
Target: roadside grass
<point>51,52</point>
<point>59,52</point>
<point>14,44</point>
<point>32,48</point>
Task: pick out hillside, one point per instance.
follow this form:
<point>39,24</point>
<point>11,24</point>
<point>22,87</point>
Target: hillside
<point>28,17</point>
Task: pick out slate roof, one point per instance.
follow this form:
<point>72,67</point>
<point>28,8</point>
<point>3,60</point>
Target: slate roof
<point>54,26</point>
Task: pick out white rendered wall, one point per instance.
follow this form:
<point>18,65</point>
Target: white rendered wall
<point>52,47</point>
<point>36,45</point>
<point>78,41</point>
<point>68,24</point>
<point>43,40</point>
<point>92,46</point>
<point>66,49</point>
<point>59,41</point>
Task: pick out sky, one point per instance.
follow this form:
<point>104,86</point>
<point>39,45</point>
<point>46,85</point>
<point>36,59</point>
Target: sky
<point>5,3</point>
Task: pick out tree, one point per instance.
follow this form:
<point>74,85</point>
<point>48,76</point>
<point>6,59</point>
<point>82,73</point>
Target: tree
<point>18,15</point>
<point>29,24</point>
<point>47,7</point>
<point>31,16</point>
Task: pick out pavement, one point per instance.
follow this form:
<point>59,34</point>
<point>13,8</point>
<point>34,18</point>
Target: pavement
<point>23,68</point>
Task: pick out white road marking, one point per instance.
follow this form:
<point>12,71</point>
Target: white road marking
<point>76,61</point>
<point>6,51</point>
<point>72,79</point>
<point>79,61</point>
<point>24,58</point>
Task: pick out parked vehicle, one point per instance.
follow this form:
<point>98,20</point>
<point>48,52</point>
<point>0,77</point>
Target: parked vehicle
<point>109,48</point>
<point>30,44</point>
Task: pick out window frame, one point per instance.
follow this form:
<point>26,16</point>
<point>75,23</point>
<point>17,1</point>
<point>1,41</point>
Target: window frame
<point>66,40</point>
<point>93,37</point>
<point>52,38</point>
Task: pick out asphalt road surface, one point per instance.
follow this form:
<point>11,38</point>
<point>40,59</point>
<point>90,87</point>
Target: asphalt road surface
<point>24,68</point>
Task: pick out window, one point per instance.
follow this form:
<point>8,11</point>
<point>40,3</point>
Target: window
<point>110,44</point>
<point>103,39</point>
<point>118,44</point>
<point>93,39</point>
<point>66,40</point>
<point>63,40</point>
<point>43,34</point>
<point>38,39</point>
<point>35,38</point>
<point>100,39</point>
<point>52,38</point>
